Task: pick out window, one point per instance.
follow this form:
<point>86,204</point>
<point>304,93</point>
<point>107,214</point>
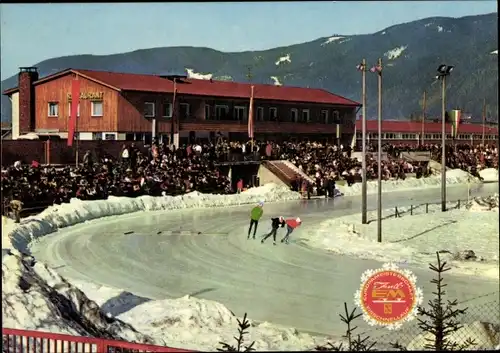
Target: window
<point>260,114</point>
<point>273,114</point>
<point>96,108</point>
<point>221,112</point>
<point>184,111</point>
<point>96,136</point>
<point>167,110</point>
<point>53,109</point>
<point>208,112</point>
<point>305,115</point>
<point>336,117</point>
<point>428,136</point>
<point>77,111</point>
<point>110,137</point>
<point>149,110</point>
<point>324,117</point>
<point>239,113</point>
<point>293,115</point>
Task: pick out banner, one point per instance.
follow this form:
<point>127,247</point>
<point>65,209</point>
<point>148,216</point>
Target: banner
<point>75,92</point>
<point>250,116</point>
<point>455,121</point>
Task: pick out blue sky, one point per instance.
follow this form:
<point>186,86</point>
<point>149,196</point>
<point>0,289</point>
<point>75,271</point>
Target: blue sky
<point>31,33</point>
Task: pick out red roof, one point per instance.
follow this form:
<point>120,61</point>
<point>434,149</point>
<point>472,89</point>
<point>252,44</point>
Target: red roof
<point>429,127</point>
<point>229,89</point>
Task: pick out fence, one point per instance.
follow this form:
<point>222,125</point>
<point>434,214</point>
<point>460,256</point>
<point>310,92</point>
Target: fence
<point>24,341</point>
<point>481,323</point>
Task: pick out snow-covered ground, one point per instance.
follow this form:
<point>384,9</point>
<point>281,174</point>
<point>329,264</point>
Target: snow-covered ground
<point>199,76</point>
<point>395,53</point>
<point>489,175</point>
<point>283,59</point>
<point>454,176</point>
<point>416,238</point>
<point>276,81</point>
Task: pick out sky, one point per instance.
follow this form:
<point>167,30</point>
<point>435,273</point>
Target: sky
<point>31,33</point>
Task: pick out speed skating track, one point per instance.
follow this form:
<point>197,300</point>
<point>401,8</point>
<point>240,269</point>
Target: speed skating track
<point>205,253</point>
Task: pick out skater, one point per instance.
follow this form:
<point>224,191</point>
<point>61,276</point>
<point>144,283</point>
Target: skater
<point>276,223</point>
<point>291,224</point>
<point>255,215</point>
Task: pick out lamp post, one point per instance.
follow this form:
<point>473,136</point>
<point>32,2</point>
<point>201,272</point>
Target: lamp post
<point>378,70</point>
<point>362,67</point>
<point>442,72</point>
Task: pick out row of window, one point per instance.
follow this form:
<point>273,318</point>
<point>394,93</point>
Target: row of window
<point>96,109</point>
<point>240,113</point>
<point>399,136</point>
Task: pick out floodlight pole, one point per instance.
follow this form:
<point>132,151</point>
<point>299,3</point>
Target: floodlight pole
<point>379,154</point>
<point>364,207</point>
<point>443,143</point>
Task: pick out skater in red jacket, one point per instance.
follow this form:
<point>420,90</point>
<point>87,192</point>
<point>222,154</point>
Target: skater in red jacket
<point>291,224</point>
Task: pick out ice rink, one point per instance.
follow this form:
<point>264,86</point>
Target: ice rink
<point>205,253</point>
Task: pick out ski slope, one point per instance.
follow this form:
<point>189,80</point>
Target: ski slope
<point>205,253</point>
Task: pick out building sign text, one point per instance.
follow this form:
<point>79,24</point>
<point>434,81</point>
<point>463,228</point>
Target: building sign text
<point>89,95</point>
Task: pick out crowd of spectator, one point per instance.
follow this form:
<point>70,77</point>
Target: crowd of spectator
<point>164,170</point>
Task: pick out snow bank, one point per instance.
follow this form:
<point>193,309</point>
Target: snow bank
<point>489,175</point>
<point>416,238</point>
<point>453,176</point>
<point>34,297</point>
<point>77,211</point>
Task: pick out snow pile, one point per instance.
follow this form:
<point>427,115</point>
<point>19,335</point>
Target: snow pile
<point>416,238</point>
<point>489,175</point>
<point>276,81</point>
<point>198,76</point>
<point>453,176</point>
<point>284,59</point>
<point>484,204</point>
<point>395,53</point>
<point>485,336</point>
<point>331,40</point>
<point>34,297</point>
<point>77,211</point>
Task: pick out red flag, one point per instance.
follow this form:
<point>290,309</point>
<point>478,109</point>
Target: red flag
<point>75,100</point>
<point>250,116</point>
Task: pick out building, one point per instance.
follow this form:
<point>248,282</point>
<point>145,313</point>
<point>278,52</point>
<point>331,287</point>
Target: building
<point>132,107</point>
<point>414,133</point>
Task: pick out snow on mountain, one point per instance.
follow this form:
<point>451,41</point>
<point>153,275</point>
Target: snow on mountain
<point>276,81</point>
<point>494,52</point>
<point>331,40</point>
<point>440,29</point>
<point>284,59</point>
<point>395,53</point>
<point>198,76</point>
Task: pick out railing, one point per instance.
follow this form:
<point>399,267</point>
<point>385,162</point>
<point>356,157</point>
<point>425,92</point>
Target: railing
<point>24,341</point>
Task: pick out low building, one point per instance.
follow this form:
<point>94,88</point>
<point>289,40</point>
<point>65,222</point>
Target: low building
<point>415,133</point>
<point>132,107</point>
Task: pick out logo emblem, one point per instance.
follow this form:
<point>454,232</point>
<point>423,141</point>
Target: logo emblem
<point>388,296</point>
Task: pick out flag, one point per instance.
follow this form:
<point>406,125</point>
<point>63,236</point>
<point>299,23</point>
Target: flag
<point>455,121</point>
<point>75,100</point>
<point>250,116</point>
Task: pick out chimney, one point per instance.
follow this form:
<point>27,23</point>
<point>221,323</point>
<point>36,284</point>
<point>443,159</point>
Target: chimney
<point>27,76</point>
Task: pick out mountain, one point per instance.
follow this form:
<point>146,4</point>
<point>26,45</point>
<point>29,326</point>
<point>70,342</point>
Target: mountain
<point>411,53</point>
